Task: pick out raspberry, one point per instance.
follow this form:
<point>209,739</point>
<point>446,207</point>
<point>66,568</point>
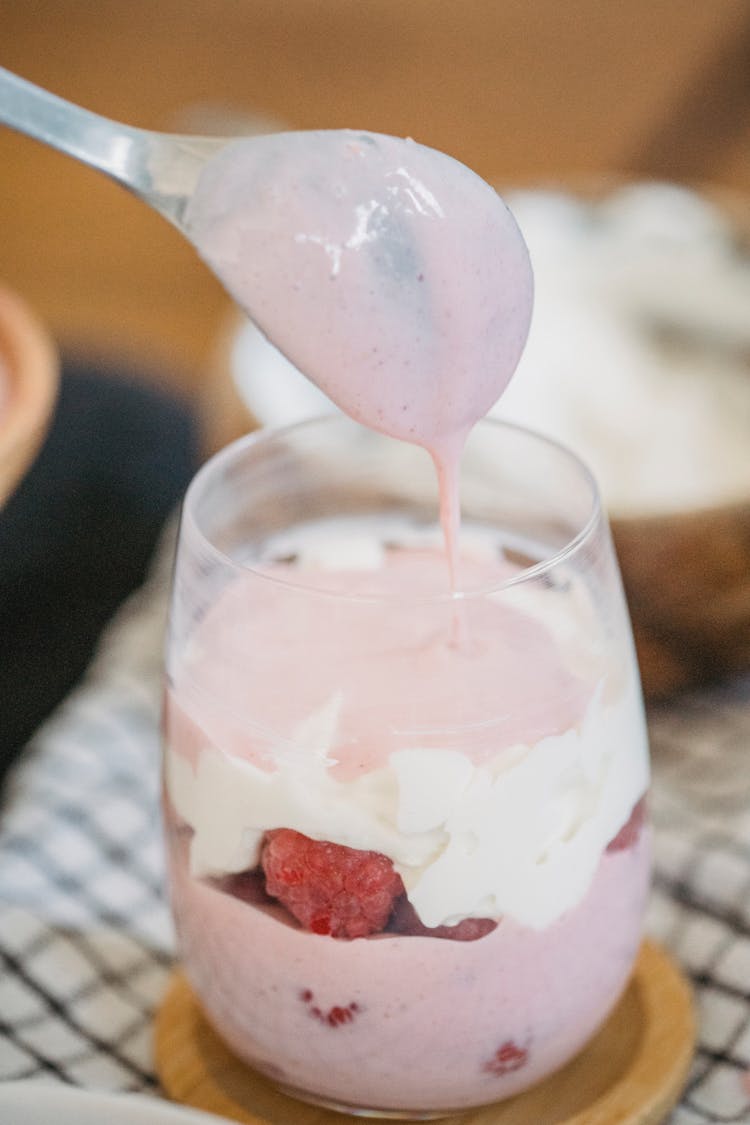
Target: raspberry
<point>329,888</point>
<point>631,830</point>
<point>405,920</point>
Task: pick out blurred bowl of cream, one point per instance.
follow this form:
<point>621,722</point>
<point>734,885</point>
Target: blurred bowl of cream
<point>29,374</point>
<point>638,359</point>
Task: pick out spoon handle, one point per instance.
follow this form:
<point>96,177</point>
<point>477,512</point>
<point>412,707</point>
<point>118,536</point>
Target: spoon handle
<point>95,140</point>
<point>160,168</point>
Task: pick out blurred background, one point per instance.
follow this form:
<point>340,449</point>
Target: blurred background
<point>577,97</point>
<point>524,91</point>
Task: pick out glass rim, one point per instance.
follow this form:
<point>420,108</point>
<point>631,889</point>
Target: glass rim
<point>270,435</point>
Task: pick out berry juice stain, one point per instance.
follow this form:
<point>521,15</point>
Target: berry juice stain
<point>508,1058</point>
<point>337,1016</point>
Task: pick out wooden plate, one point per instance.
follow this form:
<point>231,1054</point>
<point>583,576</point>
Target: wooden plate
<point>631,1073</point>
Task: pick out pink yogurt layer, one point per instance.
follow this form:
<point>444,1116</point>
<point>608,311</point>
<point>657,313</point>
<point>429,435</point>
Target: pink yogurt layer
<point>410,1023</point>
<point>401,682</point>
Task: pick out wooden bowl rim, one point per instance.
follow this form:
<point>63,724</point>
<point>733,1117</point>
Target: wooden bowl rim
<point>30,365</point>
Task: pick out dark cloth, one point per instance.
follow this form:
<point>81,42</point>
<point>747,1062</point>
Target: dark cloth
<point>77,535</point>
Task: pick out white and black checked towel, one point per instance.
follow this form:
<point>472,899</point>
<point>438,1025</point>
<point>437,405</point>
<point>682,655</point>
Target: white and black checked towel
<point>86,942</point>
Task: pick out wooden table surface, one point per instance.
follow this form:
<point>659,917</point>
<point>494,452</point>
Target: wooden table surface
<point>522,90</point>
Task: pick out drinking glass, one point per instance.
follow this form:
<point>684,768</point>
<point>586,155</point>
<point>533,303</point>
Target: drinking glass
<point>408,849</point>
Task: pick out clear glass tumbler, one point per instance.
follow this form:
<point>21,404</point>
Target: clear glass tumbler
<point>408,850</point>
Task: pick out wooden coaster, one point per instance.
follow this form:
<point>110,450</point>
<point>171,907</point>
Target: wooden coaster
<point>631,1073</point>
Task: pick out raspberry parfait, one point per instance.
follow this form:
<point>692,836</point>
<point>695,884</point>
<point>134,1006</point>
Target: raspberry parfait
<point>409,855</point>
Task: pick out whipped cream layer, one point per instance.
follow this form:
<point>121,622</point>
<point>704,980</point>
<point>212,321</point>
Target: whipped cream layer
<point>520,835</point>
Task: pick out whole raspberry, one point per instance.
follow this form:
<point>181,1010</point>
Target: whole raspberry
<point>329,888</point>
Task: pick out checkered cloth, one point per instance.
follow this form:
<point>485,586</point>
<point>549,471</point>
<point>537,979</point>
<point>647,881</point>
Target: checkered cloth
<point>86,941</point>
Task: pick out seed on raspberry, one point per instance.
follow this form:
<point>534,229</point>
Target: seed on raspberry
<point>329,888</point>
<point>405,921</point>
<point>628,835</point>
<point>507,1058</point>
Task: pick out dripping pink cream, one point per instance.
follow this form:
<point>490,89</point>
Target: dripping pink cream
<point>389,273</point>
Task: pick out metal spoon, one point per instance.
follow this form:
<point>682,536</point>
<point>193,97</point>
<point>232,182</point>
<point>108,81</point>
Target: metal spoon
<point>160,168</point>
<point>349,250</point>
